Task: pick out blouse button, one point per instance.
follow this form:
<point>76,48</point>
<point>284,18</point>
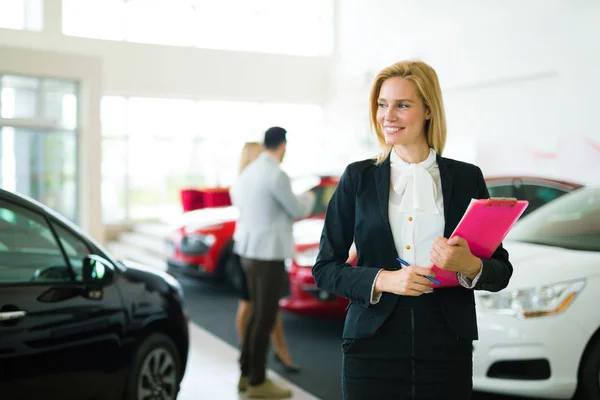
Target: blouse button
<point>407,247</point>
<point>410,218</point>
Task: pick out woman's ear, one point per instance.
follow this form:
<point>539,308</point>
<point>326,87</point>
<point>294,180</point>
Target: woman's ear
<point>427,113</point>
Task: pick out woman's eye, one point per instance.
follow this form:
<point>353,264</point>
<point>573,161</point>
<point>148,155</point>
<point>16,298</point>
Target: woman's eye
<point>402,105</point>
<point>381,105</point>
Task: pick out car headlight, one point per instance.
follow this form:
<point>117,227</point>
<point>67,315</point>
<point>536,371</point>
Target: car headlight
<point>532,302</point>
<point>197,243</point>
<point>197,239</point>
<point>307,258</point>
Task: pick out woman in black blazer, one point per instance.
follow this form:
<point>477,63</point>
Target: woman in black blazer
<point>403,338</point>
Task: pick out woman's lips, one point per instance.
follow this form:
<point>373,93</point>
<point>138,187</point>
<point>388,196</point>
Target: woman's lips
<point>390,130</point>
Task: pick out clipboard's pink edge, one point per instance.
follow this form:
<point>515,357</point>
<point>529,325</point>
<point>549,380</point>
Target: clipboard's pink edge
<point>487,252</point>
<point>447,278</point>
<point>453,282</point>
<point>523,203</point>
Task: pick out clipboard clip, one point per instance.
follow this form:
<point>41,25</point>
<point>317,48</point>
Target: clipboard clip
<point>501,201</point>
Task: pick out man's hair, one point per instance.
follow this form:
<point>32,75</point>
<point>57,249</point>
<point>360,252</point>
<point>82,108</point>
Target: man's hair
<point>274,136</point>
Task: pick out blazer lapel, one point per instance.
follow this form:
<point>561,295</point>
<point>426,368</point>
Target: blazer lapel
<point>447,181</point>
<point>382,182</point>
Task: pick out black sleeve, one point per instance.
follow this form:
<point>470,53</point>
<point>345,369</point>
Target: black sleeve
<point>331,272</point>
<point>497,270</point>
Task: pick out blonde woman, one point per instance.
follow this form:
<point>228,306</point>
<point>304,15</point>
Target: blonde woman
<point>250,152</point>
<point>404,337</point>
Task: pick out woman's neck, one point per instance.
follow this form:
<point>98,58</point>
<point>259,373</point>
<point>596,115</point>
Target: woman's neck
<point>412,154</point>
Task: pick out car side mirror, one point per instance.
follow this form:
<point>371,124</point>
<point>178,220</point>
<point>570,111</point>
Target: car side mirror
<point>96,270</point>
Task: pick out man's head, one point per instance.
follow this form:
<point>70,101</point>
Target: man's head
<point>275,142</point>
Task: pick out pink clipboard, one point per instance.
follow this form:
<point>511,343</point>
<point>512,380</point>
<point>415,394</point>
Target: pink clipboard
<point>484,226</point>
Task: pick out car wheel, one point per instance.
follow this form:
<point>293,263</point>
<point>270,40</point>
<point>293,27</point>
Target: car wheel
<point>589,378</point>
<point>156,370</point>
<point>234,272</point>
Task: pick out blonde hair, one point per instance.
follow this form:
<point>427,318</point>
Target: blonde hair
<point>426,80</point>
<point>250,152</point>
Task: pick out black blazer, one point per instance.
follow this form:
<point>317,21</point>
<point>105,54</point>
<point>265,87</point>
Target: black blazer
<point>358,211</point>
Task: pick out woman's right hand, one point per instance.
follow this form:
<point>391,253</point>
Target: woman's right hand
<point>408,281</point>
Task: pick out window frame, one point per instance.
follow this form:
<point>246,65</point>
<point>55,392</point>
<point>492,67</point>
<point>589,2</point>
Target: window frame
<point>40,128</point>
<point>90,250</point>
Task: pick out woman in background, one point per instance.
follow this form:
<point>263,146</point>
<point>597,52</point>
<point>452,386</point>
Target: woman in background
<point>250,152</point>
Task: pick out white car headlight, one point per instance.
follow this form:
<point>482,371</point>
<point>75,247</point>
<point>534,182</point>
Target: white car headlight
<point>198,238</point>
<point>307,258</point>
<point>532,302</point>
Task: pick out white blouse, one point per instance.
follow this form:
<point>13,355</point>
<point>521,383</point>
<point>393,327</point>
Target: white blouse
<point>416,212</point>
<point>416,207</point>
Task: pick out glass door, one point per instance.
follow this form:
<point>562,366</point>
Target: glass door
<point>38,141</point>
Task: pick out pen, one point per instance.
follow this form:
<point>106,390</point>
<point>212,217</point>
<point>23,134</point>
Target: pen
<point>428,277</point>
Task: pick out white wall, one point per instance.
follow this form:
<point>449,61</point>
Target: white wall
<point>88,72</point>
<point>168,71</point>
<point>518,77</point>
<point>164,71</point>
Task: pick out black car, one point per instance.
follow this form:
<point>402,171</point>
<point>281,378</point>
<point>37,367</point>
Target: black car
<point>77,324</point>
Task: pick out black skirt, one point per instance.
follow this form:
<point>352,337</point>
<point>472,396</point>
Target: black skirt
<point>414,356</point>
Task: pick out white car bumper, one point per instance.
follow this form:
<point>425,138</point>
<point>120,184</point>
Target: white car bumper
<point>558,339</point>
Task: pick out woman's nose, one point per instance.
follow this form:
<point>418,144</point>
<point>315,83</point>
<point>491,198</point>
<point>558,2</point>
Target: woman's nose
<point>390,115</point>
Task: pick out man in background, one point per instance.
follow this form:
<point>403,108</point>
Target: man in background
<point>268,208</point>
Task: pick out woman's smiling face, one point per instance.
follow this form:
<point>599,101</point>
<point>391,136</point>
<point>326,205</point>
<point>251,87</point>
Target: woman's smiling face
<point>401,113</point>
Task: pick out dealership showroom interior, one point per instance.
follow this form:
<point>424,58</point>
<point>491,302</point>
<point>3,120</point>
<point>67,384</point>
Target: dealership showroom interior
<point>126,124</point>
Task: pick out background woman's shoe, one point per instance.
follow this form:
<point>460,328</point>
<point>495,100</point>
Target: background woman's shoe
<point>268,390</point>
<point>289,368</point>
<point>243,384</point>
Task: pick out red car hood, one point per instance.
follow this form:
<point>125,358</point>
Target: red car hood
<point>199,219</point>
<point>306,231</point>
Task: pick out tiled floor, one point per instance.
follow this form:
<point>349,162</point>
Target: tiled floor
<point>212,372</point>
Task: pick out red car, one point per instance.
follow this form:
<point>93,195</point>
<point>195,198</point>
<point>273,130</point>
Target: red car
<point>306,298</point>
<point>201,242</point>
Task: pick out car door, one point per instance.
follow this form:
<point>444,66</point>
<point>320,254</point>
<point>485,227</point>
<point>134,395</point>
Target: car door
<point>58,334</point>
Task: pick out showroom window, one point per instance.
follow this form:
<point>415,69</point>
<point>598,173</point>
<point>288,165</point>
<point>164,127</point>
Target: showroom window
<point>22,14</point>
<point>154,147</point>
<point>298,27</point>
<point>38,140</point>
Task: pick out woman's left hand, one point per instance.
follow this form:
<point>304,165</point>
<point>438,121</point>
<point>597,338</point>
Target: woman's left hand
<point>454,255</point>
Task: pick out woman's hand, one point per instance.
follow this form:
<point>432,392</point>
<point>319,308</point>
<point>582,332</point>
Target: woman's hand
<point>408,281</point>
<point>454,255</point>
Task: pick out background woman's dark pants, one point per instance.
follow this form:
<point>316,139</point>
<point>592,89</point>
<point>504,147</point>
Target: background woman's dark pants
<point>266,280</point>
<point>415,355</point>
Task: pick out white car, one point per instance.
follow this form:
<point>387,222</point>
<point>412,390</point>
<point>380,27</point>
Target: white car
<point>540,336</point>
